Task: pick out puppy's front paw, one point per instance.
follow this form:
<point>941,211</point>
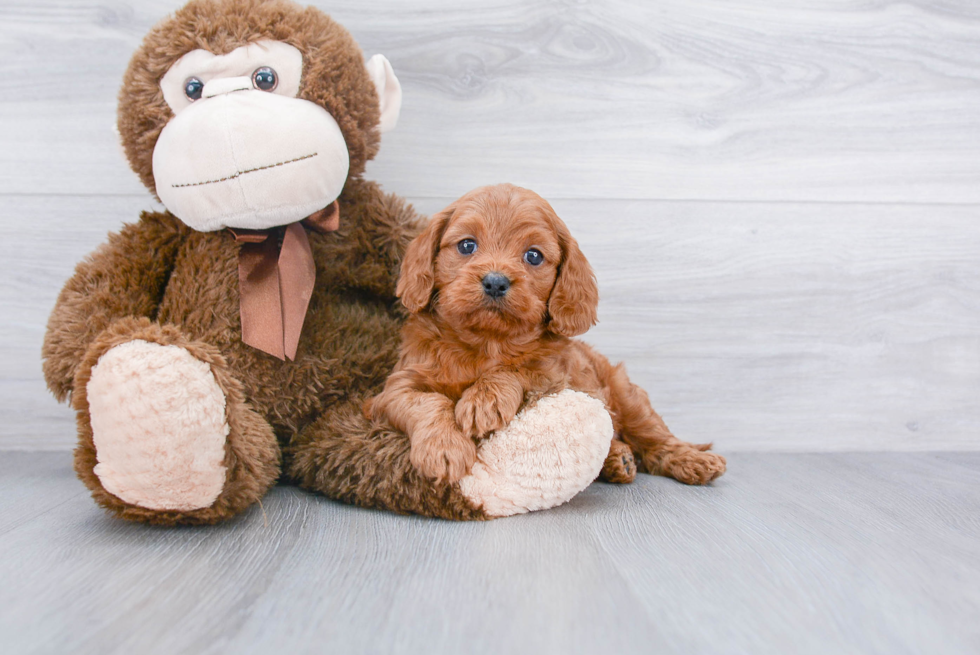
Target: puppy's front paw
<point>445,455</point>
<point>483,409</point>
<point>693,466</point>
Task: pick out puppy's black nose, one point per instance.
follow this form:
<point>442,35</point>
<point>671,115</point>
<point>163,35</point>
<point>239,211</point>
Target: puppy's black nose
<point>495,285</point>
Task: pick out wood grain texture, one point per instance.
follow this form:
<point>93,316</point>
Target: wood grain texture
<point>842,553</point>
<point>794,327</point>
<point>756,326</point>
<point>851,100</point>
<point>765,312</point>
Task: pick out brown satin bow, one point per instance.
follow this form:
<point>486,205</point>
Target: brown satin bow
<point>275,282</point>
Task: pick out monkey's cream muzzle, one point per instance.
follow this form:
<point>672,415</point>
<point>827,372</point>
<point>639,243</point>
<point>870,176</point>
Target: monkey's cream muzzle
<point>249,159</point>
<point>242,157</point>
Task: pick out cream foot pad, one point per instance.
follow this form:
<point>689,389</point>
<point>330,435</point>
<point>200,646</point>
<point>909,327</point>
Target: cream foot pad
<point>546,456</point>
<point>158,419</point>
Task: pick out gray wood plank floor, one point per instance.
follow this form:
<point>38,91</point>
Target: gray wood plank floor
<point>788,553</point>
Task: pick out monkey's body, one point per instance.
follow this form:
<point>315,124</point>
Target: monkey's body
<point>180,420</point>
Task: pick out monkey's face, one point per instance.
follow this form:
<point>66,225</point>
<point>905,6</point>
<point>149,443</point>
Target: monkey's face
<point>252,113</point>
<point>242,150</point>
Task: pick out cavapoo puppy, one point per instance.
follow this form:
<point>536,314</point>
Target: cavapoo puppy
<point>496,286</point>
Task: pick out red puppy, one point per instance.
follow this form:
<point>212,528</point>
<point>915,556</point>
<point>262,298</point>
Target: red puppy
<point>497,285</point>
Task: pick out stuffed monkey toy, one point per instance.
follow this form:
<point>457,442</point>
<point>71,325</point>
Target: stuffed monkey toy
<point>228,343</point>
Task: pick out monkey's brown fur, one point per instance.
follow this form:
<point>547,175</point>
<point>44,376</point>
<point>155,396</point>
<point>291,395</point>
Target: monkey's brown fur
<point>160,281</point>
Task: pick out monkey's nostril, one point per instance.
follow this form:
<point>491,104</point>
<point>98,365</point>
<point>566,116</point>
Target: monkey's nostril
<point>495,285</point>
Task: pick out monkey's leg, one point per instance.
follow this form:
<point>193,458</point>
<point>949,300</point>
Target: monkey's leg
<point>544,457</point>
<point>350,458</point>
<point>165,435</point>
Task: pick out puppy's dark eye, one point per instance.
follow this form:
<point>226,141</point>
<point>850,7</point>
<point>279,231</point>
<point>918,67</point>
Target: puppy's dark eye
<point>193,88</point>
<point>265,79</point>
<point>466,247</point>
<point>533,257</point>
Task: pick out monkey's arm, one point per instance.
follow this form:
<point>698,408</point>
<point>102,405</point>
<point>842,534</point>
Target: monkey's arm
<point>366,252</point>
<point>125,277</point>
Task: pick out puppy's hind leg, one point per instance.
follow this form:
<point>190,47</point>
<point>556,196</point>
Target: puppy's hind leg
<point>658,451</point>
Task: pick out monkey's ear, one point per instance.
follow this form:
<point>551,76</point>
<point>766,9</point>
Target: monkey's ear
<point>389,91</point>
<point>418,275</point>
<point>575,297</point>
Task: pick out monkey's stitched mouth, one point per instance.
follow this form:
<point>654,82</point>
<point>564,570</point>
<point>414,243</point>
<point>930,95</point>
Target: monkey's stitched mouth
<point>245,172</point>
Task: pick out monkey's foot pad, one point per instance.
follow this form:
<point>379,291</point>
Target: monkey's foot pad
<point>158,419</point>
<point>543,458</point>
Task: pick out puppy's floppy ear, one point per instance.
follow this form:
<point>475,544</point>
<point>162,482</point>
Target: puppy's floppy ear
<point>575,297</point>
<point>417,279</point>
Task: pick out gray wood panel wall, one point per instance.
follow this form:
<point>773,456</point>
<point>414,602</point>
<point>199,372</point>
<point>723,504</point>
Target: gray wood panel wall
<point>781,202</point>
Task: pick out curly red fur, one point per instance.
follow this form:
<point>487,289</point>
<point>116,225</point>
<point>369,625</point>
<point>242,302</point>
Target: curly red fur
<point>470,359</point>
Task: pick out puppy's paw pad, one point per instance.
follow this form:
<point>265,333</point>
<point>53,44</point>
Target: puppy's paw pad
<point>619,467</point>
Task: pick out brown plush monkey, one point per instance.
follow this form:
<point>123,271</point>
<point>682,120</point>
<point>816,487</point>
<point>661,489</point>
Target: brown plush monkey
<point>214,348</point>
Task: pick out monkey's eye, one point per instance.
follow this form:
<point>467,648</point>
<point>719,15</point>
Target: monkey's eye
<point>193,88</point>
<point>466,247</point>
<point>533,257</point>
<point>265,79</point>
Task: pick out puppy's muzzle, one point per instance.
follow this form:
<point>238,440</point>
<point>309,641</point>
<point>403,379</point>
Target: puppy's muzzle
<point>495,285</point>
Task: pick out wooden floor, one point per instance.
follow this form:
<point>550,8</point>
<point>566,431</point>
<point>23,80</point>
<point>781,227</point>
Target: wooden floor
<point>788,553</point>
